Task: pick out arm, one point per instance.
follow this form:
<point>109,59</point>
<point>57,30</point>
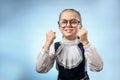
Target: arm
<point>94,60</point>
<point>45,59</point>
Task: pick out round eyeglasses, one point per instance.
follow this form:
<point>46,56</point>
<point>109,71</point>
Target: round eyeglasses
<point>73,23</point>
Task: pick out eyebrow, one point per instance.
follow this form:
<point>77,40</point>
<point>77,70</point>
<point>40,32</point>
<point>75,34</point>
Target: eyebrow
<point>70,20</point>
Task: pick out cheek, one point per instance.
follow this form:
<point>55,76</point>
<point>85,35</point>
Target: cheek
<point>77,29</point>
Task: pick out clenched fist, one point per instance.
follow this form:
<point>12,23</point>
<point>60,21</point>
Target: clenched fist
<point>50,37</point>
<point>82,34</point>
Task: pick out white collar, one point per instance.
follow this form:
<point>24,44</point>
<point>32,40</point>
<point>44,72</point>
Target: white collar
<point>70,42</point>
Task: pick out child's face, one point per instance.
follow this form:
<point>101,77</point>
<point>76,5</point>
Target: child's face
<point>71,19</point>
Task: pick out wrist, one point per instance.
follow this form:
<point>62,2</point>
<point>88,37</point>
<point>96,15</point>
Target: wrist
<point>47,45</point>
<point>85,42</point>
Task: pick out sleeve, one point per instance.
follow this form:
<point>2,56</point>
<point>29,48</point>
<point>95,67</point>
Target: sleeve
<point>45,60</point>
<point>93,58</point>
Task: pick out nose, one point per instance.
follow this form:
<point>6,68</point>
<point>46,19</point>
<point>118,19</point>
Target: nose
<point>68,24</point>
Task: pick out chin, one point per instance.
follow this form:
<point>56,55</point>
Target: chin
<point>69,36</point>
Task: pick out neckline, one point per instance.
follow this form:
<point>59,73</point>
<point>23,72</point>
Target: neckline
<point>70,42</point>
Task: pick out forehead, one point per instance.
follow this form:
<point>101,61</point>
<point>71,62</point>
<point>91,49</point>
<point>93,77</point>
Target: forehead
<point>68,15</point>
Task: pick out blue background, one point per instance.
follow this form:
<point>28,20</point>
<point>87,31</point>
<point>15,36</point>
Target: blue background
<point>24,23</point>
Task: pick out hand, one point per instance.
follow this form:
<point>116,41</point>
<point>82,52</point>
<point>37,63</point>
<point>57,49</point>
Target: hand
<point>82,34</point>
<point>50,37</point>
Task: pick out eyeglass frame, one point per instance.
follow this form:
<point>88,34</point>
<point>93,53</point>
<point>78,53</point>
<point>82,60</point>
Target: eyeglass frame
<point>70,22</point>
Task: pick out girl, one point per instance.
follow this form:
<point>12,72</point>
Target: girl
<point>73,53</point>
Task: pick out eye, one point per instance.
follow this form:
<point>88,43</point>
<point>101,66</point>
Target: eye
<point>63,22</point>
<point>74,22</point>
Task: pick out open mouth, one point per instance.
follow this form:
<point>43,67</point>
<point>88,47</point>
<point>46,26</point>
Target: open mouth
<point>68,30</point>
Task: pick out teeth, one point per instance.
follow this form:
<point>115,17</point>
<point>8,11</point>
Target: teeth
<point>68,30</point>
